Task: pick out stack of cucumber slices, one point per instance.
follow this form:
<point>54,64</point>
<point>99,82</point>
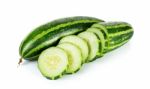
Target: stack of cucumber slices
<point>64,45</point>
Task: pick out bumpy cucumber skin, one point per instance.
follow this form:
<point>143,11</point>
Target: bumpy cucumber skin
<point>33,44</point>
<point>118,33</point>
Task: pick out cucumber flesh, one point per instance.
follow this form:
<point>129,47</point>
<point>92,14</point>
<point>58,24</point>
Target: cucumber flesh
<point>74,57</point>
<point>53,62</point>
<point>79,42</point>
<point>105,33</point>
<point>101,40</point>
<point>93,44</point>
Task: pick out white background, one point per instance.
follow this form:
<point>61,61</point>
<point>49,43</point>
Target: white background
<point>125,68</point>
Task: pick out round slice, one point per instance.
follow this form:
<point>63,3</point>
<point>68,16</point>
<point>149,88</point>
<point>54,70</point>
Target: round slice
<point>79,42</point>
<point>101,40</point>
<point>93,44</point>
<point>74,57</point>
<point>105,33</point>
<point>53,62</point>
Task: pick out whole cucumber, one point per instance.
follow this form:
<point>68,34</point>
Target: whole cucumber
<point>48,34</point>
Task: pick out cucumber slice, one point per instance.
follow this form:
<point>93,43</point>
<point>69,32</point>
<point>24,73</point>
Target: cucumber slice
<point>74,57</point>
<point>93,44</point>
<point>101,40</point>
<point>79,42</point>
<point>53,62</point>
<point>105,33</point>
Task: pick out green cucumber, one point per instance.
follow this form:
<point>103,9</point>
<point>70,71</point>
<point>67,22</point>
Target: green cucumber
<point>48,34</point>
<point>79,42</point>
<point>93,44</point>
<point>118,33</point>
<point>101,40</point>
<point>53,62</point>
<point>105,34</point>
<point>74,57</point>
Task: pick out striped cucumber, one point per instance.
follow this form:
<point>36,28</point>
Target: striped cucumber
<point>48,34</point>
<point>83,40</point>
<point>92,42</point>
<point>117,33</point>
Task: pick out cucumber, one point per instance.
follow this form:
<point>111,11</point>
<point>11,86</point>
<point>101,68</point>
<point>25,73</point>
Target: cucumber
<point>98,39</point>
<point>105,34</point>
<point>118,33</point>
<point>83,40</point>
<point>74,57</point>
<point>101,40</point>
<point>79,42</point>
<point>48,34</point>
<point>93,44</point>
<point>53,62</point>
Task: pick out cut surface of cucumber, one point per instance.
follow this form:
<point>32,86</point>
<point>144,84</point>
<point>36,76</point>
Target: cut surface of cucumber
<point>74,57</point>
<point>79,42</point>
<point>101,39</point>
<point>93,44</point>
<point>105,33</point>
<point>53,62</point>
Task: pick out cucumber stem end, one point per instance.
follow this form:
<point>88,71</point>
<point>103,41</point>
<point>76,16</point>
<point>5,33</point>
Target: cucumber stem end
<point>20,61</point>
